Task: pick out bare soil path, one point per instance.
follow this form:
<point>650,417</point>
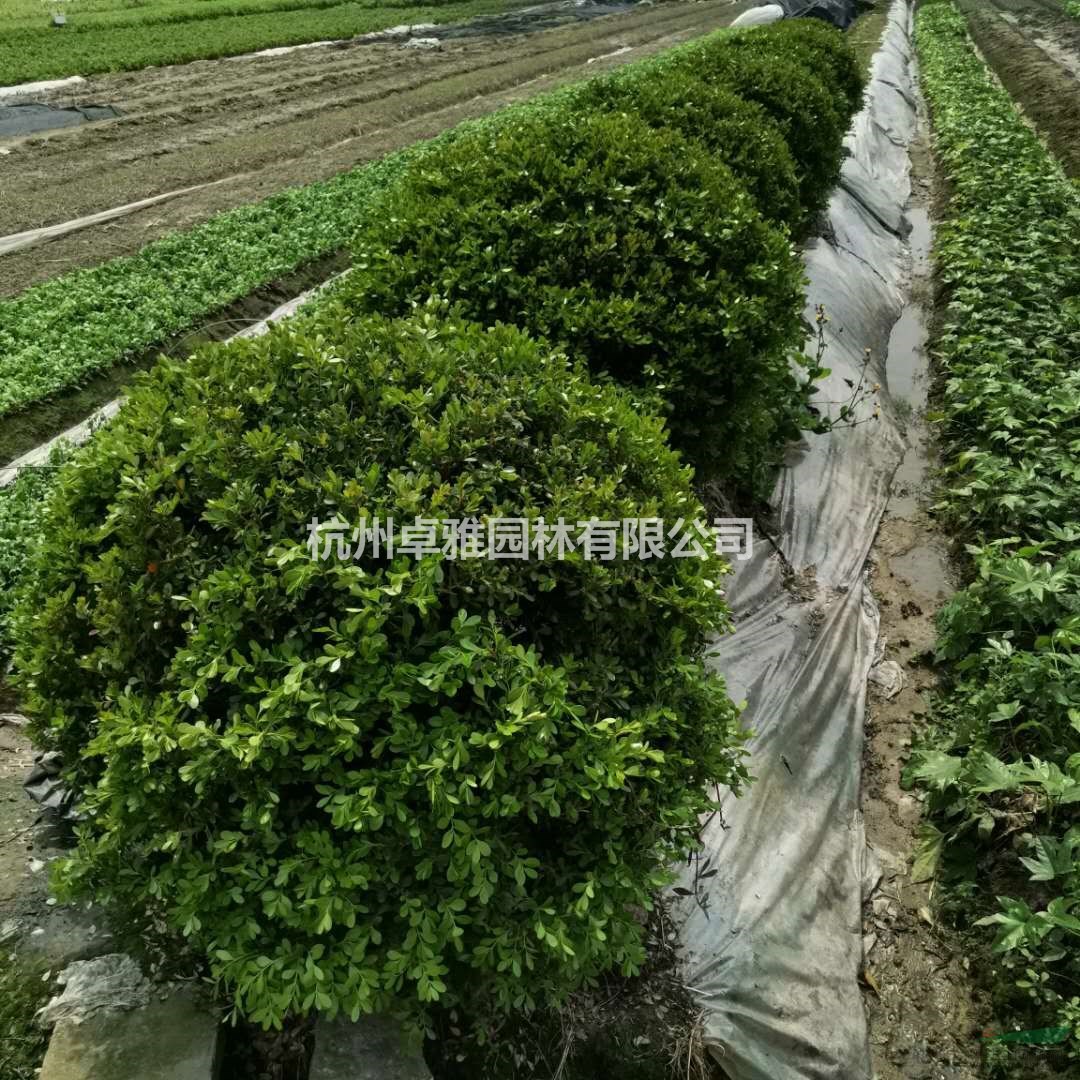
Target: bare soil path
<point>261,124</point>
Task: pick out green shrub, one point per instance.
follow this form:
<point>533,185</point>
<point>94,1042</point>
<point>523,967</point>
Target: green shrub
<point>366,783</point>
<point>812,117</point>
<point>738,132</point>
<point>632,247</point>
<point>819,46</point>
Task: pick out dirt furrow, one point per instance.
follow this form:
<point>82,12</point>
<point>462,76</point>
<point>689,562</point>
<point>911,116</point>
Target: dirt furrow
<point>1034,49</point>
<point>156,150</point>
<point>210,115</point>
<point>316,147</point>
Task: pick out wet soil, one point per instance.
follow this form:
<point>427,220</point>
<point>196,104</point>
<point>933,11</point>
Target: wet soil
<point>253,126</point>
<point>925,1017</point>
<point>1034,49</point>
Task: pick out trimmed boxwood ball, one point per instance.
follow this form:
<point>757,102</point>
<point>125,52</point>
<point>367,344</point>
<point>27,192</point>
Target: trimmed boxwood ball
<point>813,43</point>
<point>631,246</point>
<point>376,784</point>
<point>739,133</point>
<point>812,116</point>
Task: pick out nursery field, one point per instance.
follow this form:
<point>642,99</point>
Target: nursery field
<point>564,265</point>
<point>1033,46</point>
<point>560,308</point>
<point>254,126</point>
<point>122,37</point>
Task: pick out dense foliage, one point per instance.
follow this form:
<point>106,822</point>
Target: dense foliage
<point>1003,762</point>
<point>773,104</point>
<point>56,335</point>
<point>404,782</point>
<point>21,504</point>
<point>367,783</point>
<point>739,133</point>
<point>807,80</point>
<point>200,30</point>
<point>631,245</point>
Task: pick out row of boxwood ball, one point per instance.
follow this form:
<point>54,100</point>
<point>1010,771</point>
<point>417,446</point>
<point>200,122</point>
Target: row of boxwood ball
<point>374,784</point>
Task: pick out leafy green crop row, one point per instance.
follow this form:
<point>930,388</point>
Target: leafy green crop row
<point>1002,762</point>
<point>83,18</point>
<point>46,52</point>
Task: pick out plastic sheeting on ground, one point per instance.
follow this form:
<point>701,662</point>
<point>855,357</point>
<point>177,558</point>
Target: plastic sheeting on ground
<point>8,93</point>
<point>759,16</point>
<point>28,117</point>
<point>22,240</point>
<point>533,19</point>
<point>774,954</point>
<point>840,13</point>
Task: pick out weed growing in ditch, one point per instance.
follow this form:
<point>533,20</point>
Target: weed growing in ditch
<point>849,411</point>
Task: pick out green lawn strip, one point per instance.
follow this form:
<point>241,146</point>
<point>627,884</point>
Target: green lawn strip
<point>43,53</point>
<point>1001,763</point>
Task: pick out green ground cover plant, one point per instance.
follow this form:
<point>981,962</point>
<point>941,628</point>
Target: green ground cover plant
<point>183,33</point>
<point>377,783</point>
<point>59,333</point>
<point>1002,761</point>
<point>21,504</point>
